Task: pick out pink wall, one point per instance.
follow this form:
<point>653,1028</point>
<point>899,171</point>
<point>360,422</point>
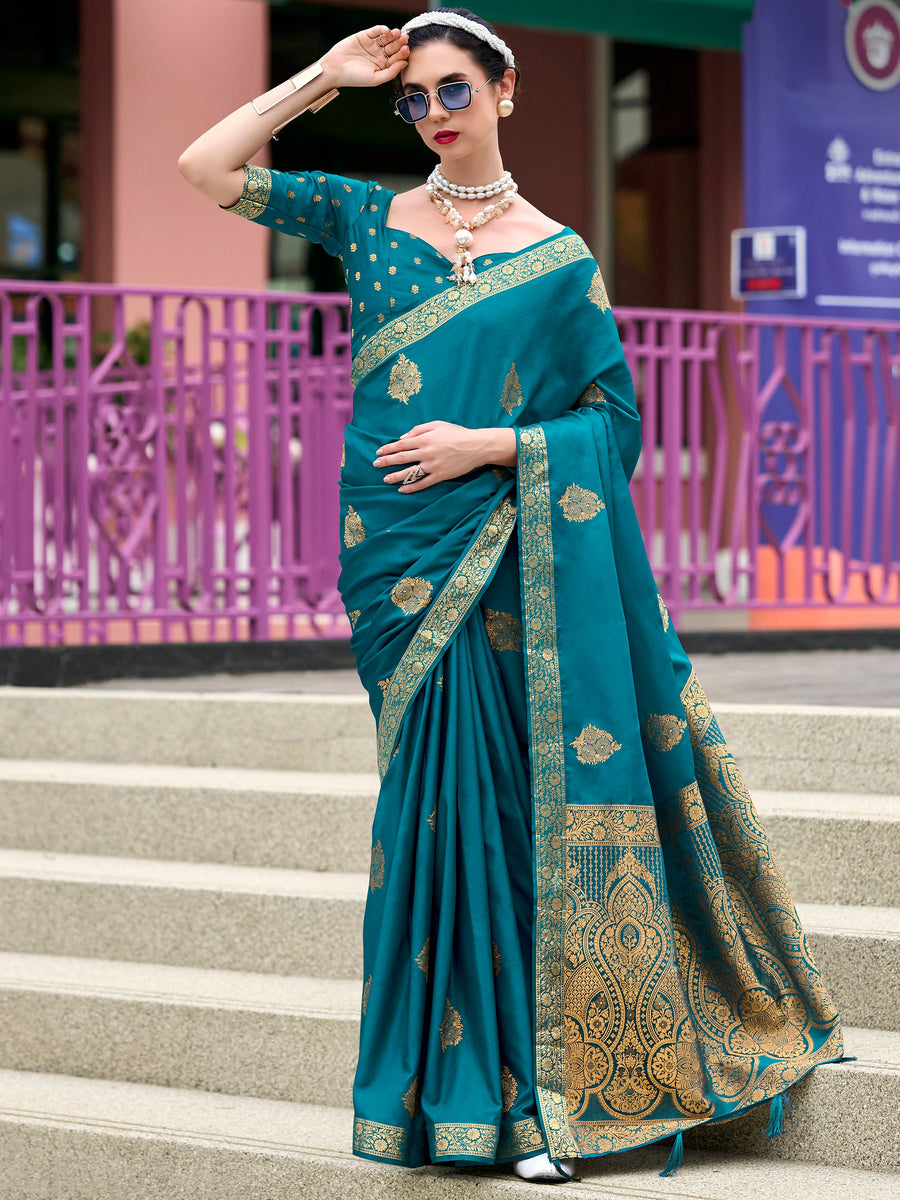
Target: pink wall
<point>156,73</point>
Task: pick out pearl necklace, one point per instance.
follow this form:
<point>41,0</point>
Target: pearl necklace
<point>461,192</point>
<point>463,263</point>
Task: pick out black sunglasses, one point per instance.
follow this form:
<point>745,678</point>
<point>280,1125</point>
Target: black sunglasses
<point>453,96</point>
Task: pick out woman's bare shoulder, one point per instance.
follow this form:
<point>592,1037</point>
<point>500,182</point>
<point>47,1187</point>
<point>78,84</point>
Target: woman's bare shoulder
<point>415,200</point>
<point>539,222</point>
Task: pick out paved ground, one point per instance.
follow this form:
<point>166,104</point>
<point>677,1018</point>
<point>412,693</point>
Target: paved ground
<point>842,677</point>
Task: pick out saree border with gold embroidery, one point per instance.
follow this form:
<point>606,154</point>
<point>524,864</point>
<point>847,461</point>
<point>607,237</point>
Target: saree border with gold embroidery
<point>443,620</point>
<point>548,784</point>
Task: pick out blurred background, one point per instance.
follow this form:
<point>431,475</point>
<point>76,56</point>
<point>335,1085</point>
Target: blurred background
<point>734,166</point>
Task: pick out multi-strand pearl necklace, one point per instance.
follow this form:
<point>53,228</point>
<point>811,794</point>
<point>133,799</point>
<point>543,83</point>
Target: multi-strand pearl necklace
<point>460,192</point>
<point>463,263</point>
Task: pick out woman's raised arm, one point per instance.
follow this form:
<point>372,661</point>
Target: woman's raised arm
<point>214,162</point>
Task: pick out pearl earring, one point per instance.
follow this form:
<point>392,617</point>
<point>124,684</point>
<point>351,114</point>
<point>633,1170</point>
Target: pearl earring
<point>505,108</point>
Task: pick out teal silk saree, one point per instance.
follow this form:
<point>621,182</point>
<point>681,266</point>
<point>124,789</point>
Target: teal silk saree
<point>576,937</point>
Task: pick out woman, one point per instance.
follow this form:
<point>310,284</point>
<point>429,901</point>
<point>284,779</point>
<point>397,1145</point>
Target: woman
<point>576,939</point>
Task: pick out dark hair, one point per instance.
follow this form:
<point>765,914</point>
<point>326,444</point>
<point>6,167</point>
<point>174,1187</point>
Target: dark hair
<point>484,54</point>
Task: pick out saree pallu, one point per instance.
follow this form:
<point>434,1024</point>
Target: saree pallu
<point>576,938</point>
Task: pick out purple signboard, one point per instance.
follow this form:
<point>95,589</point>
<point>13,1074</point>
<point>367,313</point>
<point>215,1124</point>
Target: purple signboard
<point>822,146</point>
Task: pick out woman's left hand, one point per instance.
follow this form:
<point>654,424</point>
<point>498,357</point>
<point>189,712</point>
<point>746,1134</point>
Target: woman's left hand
<point>444,451</point>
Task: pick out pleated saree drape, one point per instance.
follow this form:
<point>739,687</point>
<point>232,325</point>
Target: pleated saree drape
<point>576,937</point>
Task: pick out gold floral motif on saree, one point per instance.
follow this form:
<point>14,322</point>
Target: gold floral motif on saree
<point>696,709</point>
<point>664,731</point>
<point>509,1088</point>
<point>423,958</point>
<point>451,1026</point>
<point>354,530</point>
<point>453,1140</point>
<point>432,820</point>
<point>610,825</point>
<point>597,292</point>
<point>629,1034</point>
<point>353,617</point>
<point>381,1141</point>
<point>591,395</point>
<point>367,987</point>
<point>580,504</point>
<point>255,193</point>
<point>603,1137</point>
<point>495,955</point>
<point>681,813</point>
<point>384,684</point>
<point>503,629</point>
<point>663,612</point>
<point>446,614</point>
<point>411,594</point>
<point>376,870</point>
<point>403,332</point>
<point>521,1138</point>
<point>411,1099</point>
<point>511,397</point>
<point>405,380</point>
<point>593,746</point>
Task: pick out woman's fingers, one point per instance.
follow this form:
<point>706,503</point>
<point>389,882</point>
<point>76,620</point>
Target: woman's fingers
<point>403,446</point>
<point>403,443</point>
<point>387,45</point>
<point>419,486</point>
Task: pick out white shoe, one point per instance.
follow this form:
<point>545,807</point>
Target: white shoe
<point>540,1169</point>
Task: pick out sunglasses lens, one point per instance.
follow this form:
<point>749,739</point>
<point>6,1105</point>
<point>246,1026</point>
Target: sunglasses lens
<point>455,95</point>
<point>412,108</point>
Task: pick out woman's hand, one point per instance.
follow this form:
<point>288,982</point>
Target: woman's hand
<point>214,162</point>
<point>445,451</point>
<point>366,59</point>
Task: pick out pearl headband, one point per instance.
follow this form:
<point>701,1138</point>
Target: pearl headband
<point>458,22</point>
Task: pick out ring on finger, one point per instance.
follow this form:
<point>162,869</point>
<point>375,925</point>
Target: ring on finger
<point>415,474</point>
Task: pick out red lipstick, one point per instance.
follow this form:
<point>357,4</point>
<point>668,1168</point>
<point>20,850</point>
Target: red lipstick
<point>446,136</point>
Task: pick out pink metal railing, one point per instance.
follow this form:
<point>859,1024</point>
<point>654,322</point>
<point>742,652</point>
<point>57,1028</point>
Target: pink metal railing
<point>169,460</point>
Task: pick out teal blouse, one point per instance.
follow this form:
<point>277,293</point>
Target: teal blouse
<point>387,271</point>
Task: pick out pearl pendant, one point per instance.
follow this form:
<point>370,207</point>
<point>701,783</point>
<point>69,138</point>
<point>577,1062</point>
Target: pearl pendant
<point>463,238</point>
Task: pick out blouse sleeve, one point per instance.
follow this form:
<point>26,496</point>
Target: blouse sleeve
<point>310,204</point>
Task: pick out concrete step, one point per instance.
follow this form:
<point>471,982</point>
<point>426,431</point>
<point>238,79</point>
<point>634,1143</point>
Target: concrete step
<point>833,847</point>
<point>274,1036</point>
<point>87,1139</point>
<point>310,923</point>
<point>808,747</point>
<point>182,914</point>
<point>293,819</point>
<point>857,951</point>
<point>255,730</point>
<point>801,747</point>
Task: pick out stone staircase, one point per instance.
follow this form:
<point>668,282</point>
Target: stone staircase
<point>180,948</point>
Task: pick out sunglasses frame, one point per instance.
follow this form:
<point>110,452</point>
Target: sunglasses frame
<point>437,92</point>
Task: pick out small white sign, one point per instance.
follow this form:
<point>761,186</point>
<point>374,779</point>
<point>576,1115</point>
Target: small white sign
<point>768,263</point>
